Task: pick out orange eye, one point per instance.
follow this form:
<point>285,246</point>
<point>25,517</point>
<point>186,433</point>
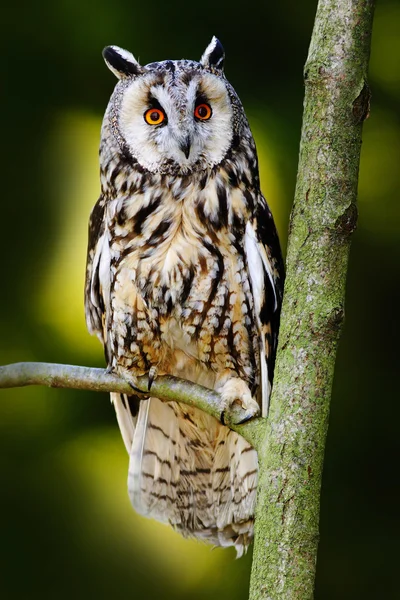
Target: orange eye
<point>154,116</point>
<point>203,112</point>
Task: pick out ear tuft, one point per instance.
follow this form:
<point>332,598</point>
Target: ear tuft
<point>121,62</point>
<point>214,55</point>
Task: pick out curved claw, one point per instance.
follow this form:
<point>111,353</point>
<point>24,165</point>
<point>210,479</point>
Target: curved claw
<point>247,418</point>
<point>136,389</point>
<point>234,416</point>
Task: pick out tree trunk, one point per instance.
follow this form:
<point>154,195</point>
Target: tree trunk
<point>323,218</point>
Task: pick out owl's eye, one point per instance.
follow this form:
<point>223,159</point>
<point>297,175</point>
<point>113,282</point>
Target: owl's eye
<point>154,116</point>
<point>203,112</point>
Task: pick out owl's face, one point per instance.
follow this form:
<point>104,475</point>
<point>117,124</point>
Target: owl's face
<point>172,115</point>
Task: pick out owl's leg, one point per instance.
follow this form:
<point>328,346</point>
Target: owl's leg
<point>235,391</point>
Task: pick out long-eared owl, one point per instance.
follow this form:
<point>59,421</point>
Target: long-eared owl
<point>184,277</point>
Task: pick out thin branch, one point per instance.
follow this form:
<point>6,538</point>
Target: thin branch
<point>166,388</point>
<point>324,216</point>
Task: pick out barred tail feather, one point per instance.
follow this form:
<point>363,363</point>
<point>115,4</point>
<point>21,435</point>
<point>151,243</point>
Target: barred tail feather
<point>188,470</point>
<point>153,464</point>
<point>125,417</point>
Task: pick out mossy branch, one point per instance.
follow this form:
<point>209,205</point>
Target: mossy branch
<point>324,216</point>
<point>166,388</point>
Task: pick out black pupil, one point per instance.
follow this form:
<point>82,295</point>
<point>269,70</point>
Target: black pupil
<point>154,116</point>
<point>202,111</point>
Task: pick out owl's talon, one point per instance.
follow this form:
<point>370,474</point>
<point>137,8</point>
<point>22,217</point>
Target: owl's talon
<point>246,418</point>
<point>222,417</point>
<point>239,405</point>
<point>132,380</point>
<point>136,389</point>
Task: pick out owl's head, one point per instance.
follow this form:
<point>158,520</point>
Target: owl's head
<point>173,116</point>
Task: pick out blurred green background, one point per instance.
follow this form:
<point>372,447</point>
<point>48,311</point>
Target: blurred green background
<point>66,526</point>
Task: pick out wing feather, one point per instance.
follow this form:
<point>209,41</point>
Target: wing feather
<point>94,301</point>
<point>266,275</point>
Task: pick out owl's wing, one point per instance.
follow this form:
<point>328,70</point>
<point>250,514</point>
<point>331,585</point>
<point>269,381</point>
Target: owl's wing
<point>96,257</point>
<point>266,271</point>
<point>97,291</point>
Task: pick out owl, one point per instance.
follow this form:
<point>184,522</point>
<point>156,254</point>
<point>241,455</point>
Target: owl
<point>184,277</point>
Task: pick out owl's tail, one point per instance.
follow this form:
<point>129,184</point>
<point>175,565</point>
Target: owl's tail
<point>188,470</point>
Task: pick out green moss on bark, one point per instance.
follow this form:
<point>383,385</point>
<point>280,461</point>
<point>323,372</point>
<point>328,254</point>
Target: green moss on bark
<point>324,216</point>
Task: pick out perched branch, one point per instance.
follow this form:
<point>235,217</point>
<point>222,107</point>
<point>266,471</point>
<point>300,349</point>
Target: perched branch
<point>165,387</point>
<point>323,217</point>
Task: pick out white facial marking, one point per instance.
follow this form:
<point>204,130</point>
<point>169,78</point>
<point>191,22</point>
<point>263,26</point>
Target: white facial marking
<point>154,145</point>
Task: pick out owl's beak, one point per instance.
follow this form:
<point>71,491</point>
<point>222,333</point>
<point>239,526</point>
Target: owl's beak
<point>185,146</point>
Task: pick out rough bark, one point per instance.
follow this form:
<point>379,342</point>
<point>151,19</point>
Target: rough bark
<point>324,216</point>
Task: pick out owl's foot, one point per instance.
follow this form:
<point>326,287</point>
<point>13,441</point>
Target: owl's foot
<point>132,380</point>
<point>237,402</point>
